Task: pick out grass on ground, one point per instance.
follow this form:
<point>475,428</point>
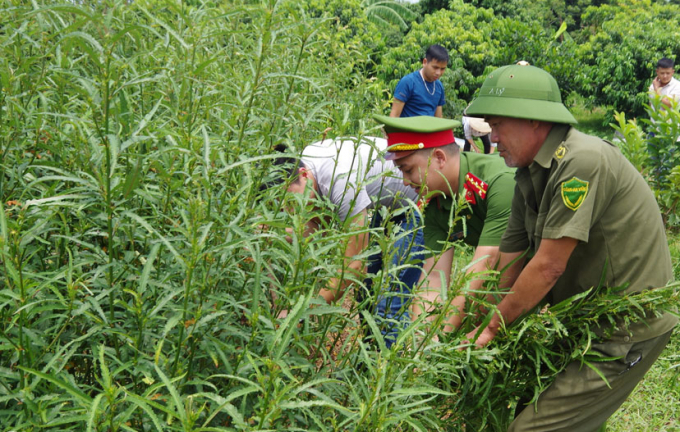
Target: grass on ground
<point>590,121</point>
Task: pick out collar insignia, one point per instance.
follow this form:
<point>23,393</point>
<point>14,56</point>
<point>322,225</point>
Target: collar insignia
<point>474,186</point>
<point>422,203</point>
<point>560,152</point>
<point>574,192</point>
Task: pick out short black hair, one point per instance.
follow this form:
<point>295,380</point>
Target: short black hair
<point>437,52</point>
<point>283,168</point>
<point>452,149</point>
<point>665,63</point>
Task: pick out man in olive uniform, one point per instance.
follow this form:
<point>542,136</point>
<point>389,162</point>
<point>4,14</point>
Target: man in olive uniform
<point>588,217</point>
<point>424,150</point>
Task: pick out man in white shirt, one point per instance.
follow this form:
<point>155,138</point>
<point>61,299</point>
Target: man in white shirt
<point>351,176</point>
<point>476,127</point>
<point>667,89</point>
<point>665,85</point>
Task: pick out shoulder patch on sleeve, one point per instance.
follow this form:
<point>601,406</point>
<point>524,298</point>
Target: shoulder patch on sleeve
<point>574,191</point>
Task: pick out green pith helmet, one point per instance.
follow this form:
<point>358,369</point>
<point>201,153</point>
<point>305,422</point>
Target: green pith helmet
<point>408,134</point>
<point>521,91</point>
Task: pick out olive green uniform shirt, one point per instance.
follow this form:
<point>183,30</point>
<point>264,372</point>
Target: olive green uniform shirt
<point>487,184</point>
<point>582,187</point>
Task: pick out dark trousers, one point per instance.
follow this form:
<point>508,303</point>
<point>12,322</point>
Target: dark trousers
<point>387,294</point>
<point>485,140</point>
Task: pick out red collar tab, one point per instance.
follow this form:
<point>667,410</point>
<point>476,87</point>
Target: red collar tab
<point>422,203</point>
<point>474,185</point>
<point>428,140</point>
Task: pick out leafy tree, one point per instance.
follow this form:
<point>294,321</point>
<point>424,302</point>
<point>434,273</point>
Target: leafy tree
<point>551,13</point>
<point>358,43</point>
<point>431,6</point>
<point>386,13</point>
<point>470,50</point>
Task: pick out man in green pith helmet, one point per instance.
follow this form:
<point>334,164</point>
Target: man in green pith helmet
<point>424,150</point>
<point>588,218</point>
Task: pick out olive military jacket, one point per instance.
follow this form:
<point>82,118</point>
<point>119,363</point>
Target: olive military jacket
<point>487,185</point>
<point>582,187</point>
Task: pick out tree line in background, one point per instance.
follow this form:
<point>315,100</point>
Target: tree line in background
<point>605,51</point>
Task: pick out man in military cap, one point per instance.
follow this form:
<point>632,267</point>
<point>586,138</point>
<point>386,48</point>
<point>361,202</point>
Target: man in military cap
<point>424,150</point>
<point>349,174</point>
<point>588,218</point>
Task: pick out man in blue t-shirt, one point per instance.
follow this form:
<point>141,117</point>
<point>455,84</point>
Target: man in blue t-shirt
<point>421,92</point>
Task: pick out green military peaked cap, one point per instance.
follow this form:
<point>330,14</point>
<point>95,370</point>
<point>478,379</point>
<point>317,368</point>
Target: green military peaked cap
<point>521,91</point>
<point>408,134</point>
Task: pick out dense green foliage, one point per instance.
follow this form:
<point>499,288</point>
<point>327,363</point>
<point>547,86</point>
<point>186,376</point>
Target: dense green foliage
<point>478,41</point>
<point>607,54</point>
<point>656,155</point>
<point>620,54</point>
<point>140,262</point>
<point>550,13</point>
<point>388,12</point>
<point>130,137</point>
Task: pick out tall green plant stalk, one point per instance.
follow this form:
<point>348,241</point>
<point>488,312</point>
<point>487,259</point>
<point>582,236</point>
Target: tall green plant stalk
<point>263,42</point>
<point>17,273</point>
<point>194,219</point>
<point>108,172</point>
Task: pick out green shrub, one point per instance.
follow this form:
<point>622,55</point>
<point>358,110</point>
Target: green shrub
<point>656,154</point>
<point>633,143</point>
<point>664,150</point>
